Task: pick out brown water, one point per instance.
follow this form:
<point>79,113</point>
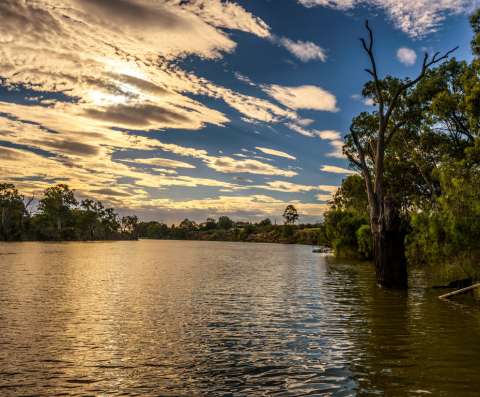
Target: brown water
<point>161,318</point>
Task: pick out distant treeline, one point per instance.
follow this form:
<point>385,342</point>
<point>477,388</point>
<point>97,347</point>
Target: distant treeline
<point>59,216</point>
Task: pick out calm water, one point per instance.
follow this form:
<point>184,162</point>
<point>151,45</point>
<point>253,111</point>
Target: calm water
<point>160,318</point>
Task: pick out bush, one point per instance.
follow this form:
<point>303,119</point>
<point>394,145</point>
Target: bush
<point>365,242</point>
<point>287,231</point>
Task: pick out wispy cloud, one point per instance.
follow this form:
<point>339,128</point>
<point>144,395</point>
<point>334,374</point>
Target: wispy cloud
<point>336,170</point>
<point>303,97</point>
<point>416,18</point>
<point>161,162</point>
<point>305,51</point>
<point>275,153</point>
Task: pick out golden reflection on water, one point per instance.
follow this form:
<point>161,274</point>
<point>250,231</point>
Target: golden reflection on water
<point>212,318</point>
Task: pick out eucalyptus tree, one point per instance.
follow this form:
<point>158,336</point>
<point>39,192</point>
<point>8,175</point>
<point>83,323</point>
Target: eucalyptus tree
<point>57,202</point>
<point>290,215</point>
<point>388,229</point>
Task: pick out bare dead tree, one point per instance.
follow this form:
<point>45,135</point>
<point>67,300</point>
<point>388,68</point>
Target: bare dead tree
<point>388,230</point>
<point>22,215</point>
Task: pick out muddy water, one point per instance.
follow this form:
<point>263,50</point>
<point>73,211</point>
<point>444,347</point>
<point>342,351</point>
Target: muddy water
<point>169,318</point>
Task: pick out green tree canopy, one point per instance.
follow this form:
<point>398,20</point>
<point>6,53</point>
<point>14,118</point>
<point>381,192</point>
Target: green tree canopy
<point>290,215</point>
<point>57,202</point>
<point>224,222</point>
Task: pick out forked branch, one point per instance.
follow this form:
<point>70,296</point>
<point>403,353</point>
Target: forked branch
<point>373,72</point>
<point>425,66</point>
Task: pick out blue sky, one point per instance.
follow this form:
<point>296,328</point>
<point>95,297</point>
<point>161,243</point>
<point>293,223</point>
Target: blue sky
<point>172,109</point>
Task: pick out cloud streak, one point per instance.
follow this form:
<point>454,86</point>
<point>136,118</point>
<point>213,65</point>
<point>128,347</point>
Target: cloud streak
<point>413,17</point>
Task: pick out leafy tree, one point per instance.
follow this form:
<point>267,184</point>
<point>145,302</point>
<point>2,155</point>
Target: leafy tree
<point>158,231</point>
<point>341,230</point>
<point>92,215</point>
<point>131,225</point>
<point>290,215</point>
<point>352,194</point>
<point>187,226</point>
<point>57,202</point>
<point>11,202</point>
<point>210,224</point>
<point>225,223</point>
<point>388,230</point>
<point>265,222</point>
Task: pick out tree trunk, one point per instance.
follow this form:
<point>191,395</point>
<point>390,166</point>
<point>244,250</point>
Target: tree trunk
<point>59,223</point>
<point>388,232</point>
<point>7,222</point>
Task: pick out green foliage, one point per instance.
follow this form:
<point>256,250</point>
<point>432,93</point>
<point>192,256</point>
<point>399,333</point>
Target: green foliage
<point>210,224</point>
<point>265,222</point>
<point>157,231</point>
<point>448,234</point>
<point>57,202</point>
<point>225,223</point>
<point>290,215</point>
<point>341,226</point>
<point>475,25</point>
<point>352,194</point>
<point>365,241</point>
<point>287,230</point>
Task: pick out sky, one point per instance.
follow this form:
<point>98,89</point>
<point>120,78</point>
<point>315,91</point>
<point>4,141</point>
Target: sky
<point>174,109</point>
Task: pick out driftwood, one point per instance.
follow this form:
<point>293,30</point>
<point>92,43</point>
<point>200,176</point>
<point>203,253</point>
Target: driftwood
<point>459,291</point>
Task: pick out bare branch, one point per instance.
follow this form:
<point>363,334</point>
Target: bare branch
<point>371,35</point>
<point>425,66</point>
<point>373,72</point>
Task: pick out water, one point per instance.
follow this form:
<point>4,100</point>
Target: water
<point>170,318</point>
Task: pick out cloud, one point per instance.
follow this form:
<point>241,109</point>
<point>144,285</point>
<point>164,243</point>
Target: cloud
<point>275,153</point>
<point>229,165</point>
<point>305,122</point>
<point>335,141</point>
<point>243,78</point>
<point>324,197</point>
<point>290,187</point>
<point>303,97</point>
<point>299,129</point>
<point>337,152</point>
<point>336,170</point>
<point>365,101</point>
<point>161,162</point>
<point>110,192</point>
<point>254,205</point>
<point>165,171</point>
<point>413,17</point>
<point>239,178</point>
<point>305,51</point>
<point>406,56</point>
<point>328,134</point>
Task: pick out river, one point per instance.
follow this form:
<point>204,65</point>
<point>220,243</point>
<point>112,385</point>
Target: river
<point>171,318</point>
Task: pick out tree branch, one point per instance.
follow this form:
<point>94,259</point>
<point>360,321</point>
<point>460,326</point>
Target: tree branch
<point>373,72</point>
<point>425,66</point>
<point>350,158</point>
<point>394,130</point>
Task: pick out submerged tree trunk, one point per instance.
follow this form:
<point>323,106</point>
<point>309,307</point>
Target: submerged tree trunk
<point>388,232</point>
